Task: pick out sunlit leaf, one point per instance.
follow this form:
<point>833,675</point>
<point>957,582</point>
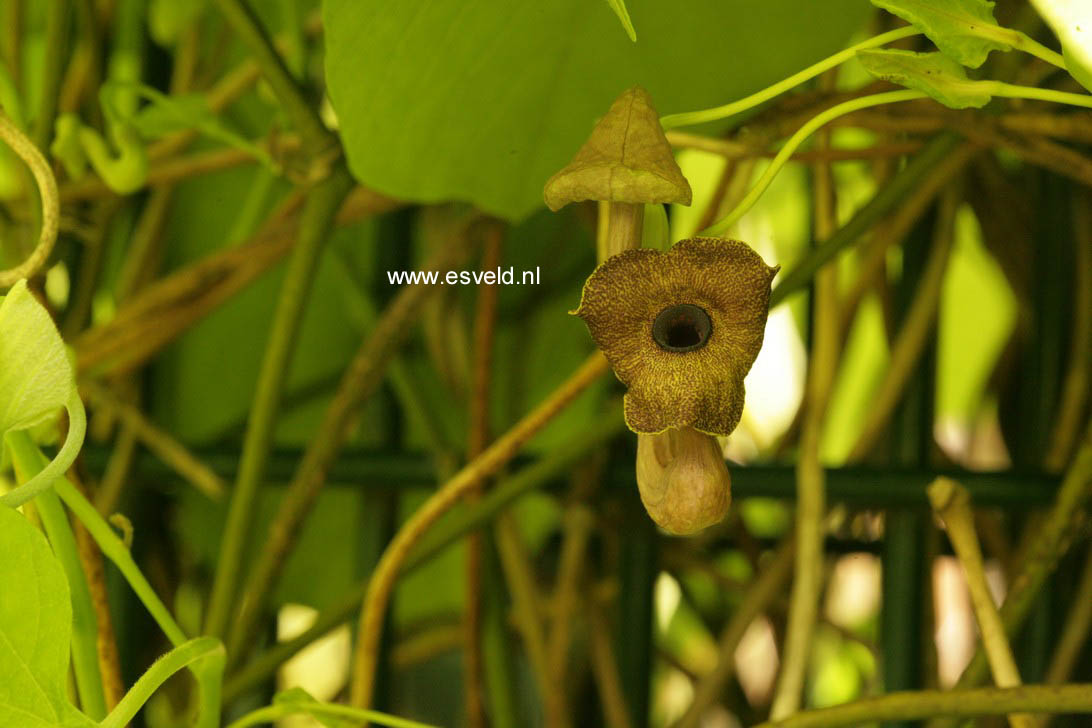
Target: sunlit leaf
<point>934,73</point>
<point>36,377</point>
<point>483,101</point>
<point>962,29</point>
<point>35,625</point>
<point>1071,21</point>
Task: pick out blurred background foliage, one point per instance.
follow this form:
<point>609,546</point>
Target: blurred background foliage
<point>449,112</point>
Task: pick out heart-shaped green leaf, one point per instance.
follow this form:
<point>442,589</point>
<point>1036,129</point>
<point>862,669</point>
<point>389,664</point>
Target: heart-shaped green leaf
<point>35,625</point>
<point>962,29</point>
<point>934,73</point>
<point>483,101</point>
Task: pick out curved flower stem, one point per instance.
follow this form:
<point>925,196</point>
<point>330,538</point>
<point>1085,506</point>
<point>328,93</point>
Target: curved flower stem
<point>47,190</point>
<point>952,503</point>
<point>390,564</point>
<point>847,107</point>
<point>955,703</point>
<point>723,112</point>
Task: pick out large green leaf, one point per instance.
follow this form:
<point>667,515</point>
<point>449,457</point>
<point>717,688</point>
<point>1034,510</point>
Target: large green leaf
<point>1071,21</point>
<point>934,73</point>
<point>962,29</point>
<point>35,624</point>
<point>482,100</point>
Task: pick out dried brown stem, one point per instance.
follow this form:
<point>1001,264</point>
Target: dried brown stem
<point>494,457</point>
<point>159,441</point>
<point>485,320</point>
<point>605,669</point>
<point>952,503</point>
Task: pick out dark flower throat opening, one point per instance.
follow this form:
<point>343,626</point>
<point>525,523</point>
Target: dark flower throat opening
<point>681,328</point>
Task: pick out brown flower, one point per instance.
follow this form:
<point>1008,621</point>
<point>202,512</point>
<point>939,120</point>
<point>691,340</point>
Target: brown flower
<point>681,330</point>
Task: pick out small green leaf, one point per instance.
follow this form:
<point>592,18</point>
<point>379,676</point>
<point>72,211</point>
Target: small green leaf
<point>962,29</point>
<point>933,73</point>
<point>35,624</point>
<point>1071,21</point>
<point>167,114</point>
<point>36,378</point>
<point>619,8</point>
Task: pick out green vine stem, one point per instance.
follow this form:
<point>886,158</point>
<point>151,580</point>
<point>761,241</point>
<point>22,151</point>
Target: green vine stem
<point>316,219</point>
<point>47,190</point>
<point>691,118</point>
<point>209,672</point>
<point>56,32</point>
<point>328,710</point>
<point>317,138</point>
<point>954,703</point>
<point>1029,45</point>
<point>203,655</point>
<point>1012,91</point>
<point>360,380</point>
<point>77,428</point>
<point>847,107</point>
<point>85,660</point>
